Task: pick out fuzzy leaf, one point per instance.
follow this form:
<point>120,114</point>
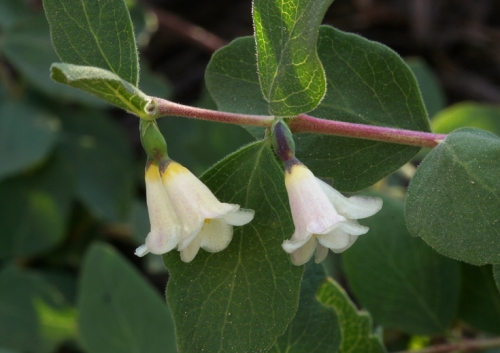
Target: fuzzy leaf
<point>291,75</point>
<point>454,197</point>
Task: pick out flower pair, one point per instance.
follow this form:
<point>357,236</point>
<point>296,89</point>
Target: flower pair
<point>184,213</point>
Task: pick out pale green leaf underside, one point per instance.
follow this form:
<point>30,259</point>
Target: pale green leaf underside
<point>242,298</point>
<point>316,327</point>
<point>356,326</point>
<point>291,75</point>
<point>454,197</point>
<point>102,84</point>
<point>391,272</point>
<point>94,33</point>
<point>119,311</point>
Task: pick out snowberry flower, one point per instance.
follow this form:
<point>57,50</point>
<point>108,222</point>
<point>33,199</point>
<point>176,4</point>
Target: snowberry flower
<point>206,222</point>
<point>323,218</point>
<point>166,227</point>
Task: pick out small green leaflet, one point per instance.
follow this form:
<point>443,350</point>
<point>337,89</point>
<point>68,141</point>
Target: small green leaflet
<point>105,85</point>
<point>453,200</point>
<point>242,298</point>
<point>94,33</point>
<point>291,75</point>
<point>316,327</point>
<point>356,326</point>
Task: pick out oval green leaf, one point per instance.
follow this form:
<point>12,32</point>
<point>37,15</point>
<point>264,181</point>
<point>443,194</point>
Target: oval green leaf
<point>454,197</point>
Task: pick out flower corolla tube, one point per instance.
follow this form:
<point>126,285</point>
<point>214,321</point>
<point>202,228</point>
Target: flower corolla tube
<point>196,218</point>
<point>323,217</point>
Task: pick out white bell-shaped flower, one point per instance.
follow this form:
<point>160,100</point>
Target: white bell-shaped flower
<point>207,222</point>
<point>323,218</point>
<point>166,228</point>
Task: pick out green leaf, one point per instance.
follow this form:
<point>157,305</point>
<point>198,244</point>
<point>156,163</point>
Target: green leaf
<point>370,84</point>
<point>479,298</point>
<point>102,84</point>
<point>34,210</point>
<point>33,315</point>
<point>242,298</point>
<point>390,97</point>
<point>469,114</point>
<point>94,33</point>
<point>291,75</point>
<point>432,93</point>
<point>454,197</point>
<point>27,136</point>
<point>32,36</point>
<point>315,327</point>
<point>119,311</point>
<point>356,326</point>
<point>101,156</point>
<point>400,280</point>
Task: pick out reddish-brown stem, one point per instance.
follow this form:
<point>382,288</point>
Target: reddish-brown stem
<point>462,346</point>
<point>173,109</point>
<point>306,123</point>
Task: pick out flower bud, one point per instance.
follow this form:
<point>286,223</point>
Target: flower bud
<point>283,143</point>
<point>152,141</point>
